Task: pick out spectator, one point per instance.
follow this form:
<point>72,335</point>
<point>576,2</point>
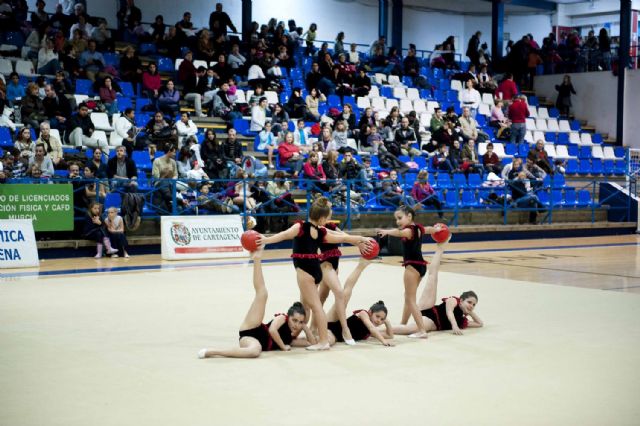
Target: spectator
<point>470,98</point>
<point>279,119</point>
<point>312,101</point>
<point>42,161</point>
<point>296,106</point>
<point>259,115</point>
<point>151,83</point>
<point>371,140</point>
<point>48,58</point>
<point>455,155</point>
<point>498,120</point>
<point>108,96</point>
<point>604,45</point>
<point>24,144</point>
<point>523,196</point>
<point>159,29</point>
<point>473,47</point>
<point>81,25</point>
<point>59,21</point>
<point>518,113</point>
<point>185,127</point>
<point>125,131</point>
<point>186,70</point>
<point>351,170</point>
<point>563,102</point>
<point>92,61</point>
<point>232,151</point>
<point>223,105</point>
<point>441,160</point>
<point>115,231</point>
<point>128,15</point>
<point>361,84</point>
<point>122,171</point>
<point>102,36</point>
<point>213,158</point>
<point>169,98</point>
<point>534,172</point>
<point>340,137</point>
<point>268,143</point>
<point>52,146</point>
<point>237,61</point>
<point>469,127</point>
<point>470,162</point>
<point>310,37</point>
<point>326,140</point>
<point>540,158</point>
<point>91,191</point>
<point>219,21</point>
<point>290,157</point>
<point>424,195</point>
<point>301,136</point>
<point>161,133</point>
<point>101,166</point>
<point>15,90</point>
<point>39,17</point>
<point>486,83</point>
<point>404,138</point>
<point>194,88</point>
<point>437,121</point>
<point>166,162</point>
<point>354,55</point>
<point>314,172</point>
<point>131,68</point>
<point>507,89</point>
<point>32,109</point>
<point>379,44</point>
<point>392,193</point>
<point>491,162</point>
<point>94,229</point>
<point>316,80</point>
<point>56,107</point>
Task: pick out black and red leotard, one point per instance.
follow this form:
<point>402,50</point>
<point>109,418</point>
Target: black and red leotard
<point>330,252</point>
<point>438,314</point>
<point>359,330</point>
<point>305,250</point>
<point>261,334</point>
<point>412,249</point>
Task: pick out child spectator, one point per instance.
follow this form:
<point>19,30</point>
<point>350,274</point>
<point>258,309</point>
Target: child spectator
<point>115,229</point>
<point>94,228</point>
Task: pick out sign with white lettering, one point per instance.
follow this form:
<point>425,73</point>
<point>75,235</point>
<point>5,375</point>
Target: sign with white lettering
<point>50,207</point>
<point>201,237</point>
<point>18,247</point>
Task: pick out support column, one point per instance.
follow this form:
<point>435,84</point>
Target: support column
<point>623,63</point>
<point>383,17</point>
<point>396,22</point>
<point>497,28</point>
<point>247,8</point>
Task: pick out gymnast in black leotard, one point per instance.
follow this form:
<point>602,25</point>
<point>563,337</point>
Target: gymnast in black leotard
<point>307,236</point>
<point>453,313</point>
<point>415,265</point>
<point>279,334</point>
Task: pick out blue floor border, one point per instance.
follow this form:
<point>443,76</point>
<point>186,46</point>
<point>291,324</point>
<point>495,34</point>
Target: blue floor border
<point>175,266</point>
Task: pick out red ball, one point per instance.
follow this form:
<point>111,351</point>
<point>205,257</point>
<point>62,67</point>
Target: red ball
<point>248,240</point>
<point>442,235</point>
<point>373,250</point>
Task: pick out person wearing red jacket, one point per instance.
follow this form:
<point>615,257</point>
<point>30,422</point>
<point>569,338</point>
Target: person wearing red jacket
<point>507,89</point>
<point>314,172</point>
<point>290,155</point>
<point>518,113</point>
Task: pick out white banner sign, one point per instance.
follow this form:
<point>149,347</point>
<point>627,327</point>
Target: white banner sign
<point>201,237</point>
<point>18,247</point>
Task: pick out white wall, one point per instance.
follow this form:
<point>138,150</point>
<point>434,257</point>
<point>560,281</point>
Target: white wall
<point>426,29</point>
<point>631,108</point>
<point>595,100</point>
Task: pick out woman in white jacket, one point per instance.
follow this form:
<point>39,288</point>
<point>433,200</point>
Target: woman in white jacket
<point>185,127</point>
<point>470,97</point>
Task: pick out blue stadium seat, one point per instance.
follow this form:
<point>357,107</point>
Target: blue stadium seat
<point>608,167</point>
<point>15,38</point>
<point>475,180</point>
<point>556,197</point>
<point>142,119</point>
<point>575,125</point>
<point>124,103</point>
<point>469,198</point>
<point>83,86</point>
<point>573,150</point>
<point>142,160</point>
<point>563,138</point>
<point>443,181</point>
<point>534,101</point>
<point>148,49</point>
<point>420,161</point>
<point>584,198</point>
<point>523,149</point>
<point>596,138</point>
<point>386,91</point>
<point>550,137</point>
<point>143,182</point>
<point>620,167</point>
<point>5,138</point>
<point>127,90</point>
<point>165,65</point>
<point>409,179</point>
<point>510,149</point>
<point>584,167</point>
<point>619,152</point>
<point>141,103</point>
<point>543,196</point>
<point>451,198</point>
<point>554,113</point>
<point>558,181</point>
<point>596,166</point>
<point>452,96</point>
<point>570,199</point>
<point>113,199</point>
<point>334,101</point>
<point>112,59</point>
<point>445,85</point>
<point>241,126</point>
<point>572,167</point>
<point>459,180</point>
<point>585,152</point>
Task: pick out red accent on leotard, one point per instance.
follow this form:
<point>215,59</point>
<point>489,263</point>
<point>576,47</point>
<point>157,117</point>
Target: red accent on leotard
<point>329,254</point>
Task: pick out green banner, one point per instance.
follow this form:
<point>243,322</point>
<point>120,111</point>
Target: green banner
<point>50,206</point>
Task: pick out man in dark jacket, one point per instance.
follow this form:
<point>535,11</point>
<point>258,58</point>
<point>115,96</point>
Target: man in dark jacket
<point>129,15</point>
<point>523,196</point>
<point>350,169</point>
<point>194,89</point>
<point>81,130</point>
<point>123,171</point>
<point>232,151</point>
<point>404,137</point>
<point>56,108</point>
<point>219,21</point>
<point>473,47</point>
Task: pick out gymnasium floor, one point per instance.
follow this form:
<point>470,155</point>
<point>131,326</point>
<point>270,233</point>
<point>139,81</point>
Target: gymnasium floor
<point>118,346</point>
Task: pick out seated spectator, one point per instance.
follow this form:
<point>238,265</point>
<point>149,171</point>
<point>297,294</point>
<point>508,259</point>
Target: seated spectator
<point>130,68</point>
<point>15,90</point>
<point>392,193</point>
<point>354,55</point>
<point>194,88</point>
<point>42,161</point>
<point>81,25</point>
<point>57,108</point>
<point>437,121</point>
<point>470,98</point>
<point>379,63</point>
<point>290,156</point>
<point>279,119</point>
<point>166,162</point>
<point>81,131</point>
<point>232,151</point>
<point>223,106</point>
<point>169,98</point>
<point>314,173</point>
<point>486,83</point>
<point>268,143</point>
<point>184,162</point>
<point>351,170</point>
<point>151,83</point>
<point>102,35</point>
<point>48,58</point>
<point>259,115</point>
<point>361,83</point>
<point>92,191</point>
<point>108,96</point>
<point>424,195</point>
<point>315,79</point>
<point>161,133</point>
<point>498,119</point>
<point>32,109</point>
<point>340,137</point>
<point>404,138</point>
<point>491,162</point>
<point>115,232</point>
<point>523,195</point>
<point>98,159</point>
<point>92,61</point>
<point>326,140</point>
<point>441,160</point>
<point>24,144</point>
<point>312,101</point>
<point>469,151</point>
<point>123,171</point>
<point>222,69</point>
<point>302,135</point>
<point>237,61</point>
<point>469,127</point>
<point>185,127</point>
<point>162,196</point>
<point>540,158</point>
<point>186,70</point>
<point>296,106</point>
<point>204,49</point>
<point>331,170</point>
<point>455,155</point>
<point>534,172</point>
<point>238,190</point>
<point>371,140</point>
<point>52,146</point>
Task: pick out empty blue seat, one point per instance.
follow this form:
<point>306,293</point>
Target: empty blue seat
<point>451,198</point>
<point>113,199</point>
<point>563,138</point>
<point>5,137</point>
<point>334,101</point>
<point>510,148</point>
<point>142,119</point>
<point>558,180</point>
<point>83,86</point>
<point>148,49</point>
<point>475,180</point>
<point>534,101</point>
<point>608,167</point>
<point>554,113</point>
<point>142,159</point>
<point>570,199</point>
<point>241,126</point>
<point>584,167</point>
<point>452,95</point>
<point>523,149</point>
<point>584,198</point>
<point>439,95</point>
<point>556,197</point>
<point>585,152</point>
<point>596,138</point>
<point>620,167</point>
<point>409,179</point>
<point>165,65</point>
<point>386,91</point>
<point>543,196</point>
<point>469,198</point>
<point>127,90</point>
<point>596,166</point>
<point>143,182</point>
<point>550,137</point>
<point>420,161</point>
<point>111,59</point>
<point>459,180</point>
<point>573,150</point>
<point>619,152</point>
<point>572,167</point>
<point>443,181</point>
<point>15,38</point>
<point>444,84</point>
<point>124,103</point>
<point>575,125</point>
